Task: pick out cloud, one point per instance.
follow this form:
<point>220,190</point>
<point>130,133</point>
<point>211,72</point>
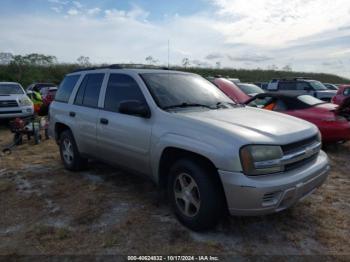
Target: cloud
<point>73,12</point>
<point>250,58</point>
<point>56,9</point>
<point>77,4</point>
<point>214,56</point>
<point>59,2</point>
<point>94,11</point>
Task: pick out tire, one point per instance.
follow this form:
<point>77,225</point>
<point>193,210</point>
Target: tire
<point>70,156</point>
<point>204,198</point>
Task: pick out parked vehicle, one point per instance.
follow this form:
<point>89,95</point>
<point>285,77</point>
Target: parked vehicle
<point>331,86</point>
<point>301,86</point>
<point>48,94</point>
<point>209,153</point>
<point>342,93</point>
<point>262,85</point>
<point>39,86</point>
<point>231,90</point>
<point>13,101</point>
<point>250,89</point>
<point>332,121</point>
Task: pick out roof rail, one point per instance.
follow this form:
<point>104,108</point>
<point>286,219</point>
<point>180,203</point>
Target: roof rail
<point>122,66</point>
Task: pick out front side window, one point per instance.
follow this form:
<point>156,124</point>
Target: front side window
<point>121,88</point>
<point>11,89</point>
<point>303,86</point>
<point>66,87</point>
<point>89,90</point>
<point>318,85</point>
<point>172,90</point>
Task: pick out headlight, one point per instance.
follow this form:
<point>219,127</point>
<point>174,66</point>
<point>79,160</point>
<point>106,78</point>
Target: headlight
<point>25,102</point>
<point>261,159</point>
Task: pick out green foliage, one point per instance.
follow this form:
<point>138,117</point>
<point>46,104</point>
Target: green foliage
<point>27,73</point>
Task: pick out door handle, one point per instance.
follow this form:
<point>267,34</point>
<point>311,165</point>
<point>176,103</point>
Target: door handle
<point>72,114</point>
<point>104,121</point>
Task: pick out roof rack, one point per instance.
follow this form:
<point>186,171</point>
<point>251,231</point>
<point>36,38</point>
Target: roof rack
<point>122,66</point>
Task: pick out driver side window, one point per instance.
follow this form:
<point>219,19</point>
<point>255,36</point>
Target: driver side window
<point>121,88</point>
<point>303,86</point>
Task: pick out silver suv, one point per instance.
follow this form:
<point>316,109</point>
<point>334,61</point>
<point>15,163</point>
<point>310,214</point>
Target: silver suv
<point>209,153</point>
<point>14,102</point>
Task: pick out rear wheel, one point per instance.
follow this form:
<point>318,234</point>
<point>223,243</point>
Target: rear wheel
<point>195,194</point>
<point>70,155</point>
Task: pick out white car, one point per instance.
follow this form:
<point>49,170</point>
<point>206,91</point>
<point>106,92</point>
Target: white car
<point>14,101</point>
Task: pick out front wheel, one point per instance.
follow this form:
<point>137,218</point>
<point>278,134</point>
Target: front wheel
<point>70,155</point>
<point>195,194</point>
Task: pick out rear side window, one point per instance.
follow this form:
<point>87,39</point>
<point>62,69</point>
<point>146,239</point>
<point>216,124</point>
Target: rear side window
<point>121,88</point>
<point>303,86</point>
<point>89,90</point>
<point>66,87</point>
<point>287,86</point>
<point>347,92</point>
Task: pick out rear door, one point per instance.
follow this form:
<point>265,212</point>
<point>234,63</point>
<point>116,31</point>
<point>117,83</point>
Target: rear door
<point>288,87</point>
<point>86,112</point>
<point>124,139</point>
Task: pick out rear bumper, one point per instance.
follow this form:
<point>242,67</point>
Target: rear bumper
<point>13,112</point>
<point>249,196</point>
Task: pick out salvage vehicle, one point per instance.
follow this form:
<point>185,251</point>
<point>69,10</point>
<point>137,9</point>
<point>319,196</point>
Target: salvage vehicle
<point>208,153</point>
<point>330,86</point>
<point>301,86</point>
<point>343,92</point>
<point>250,89</point>
<point>14,102</point>
<point>230,89</point>
<point>332,121</point>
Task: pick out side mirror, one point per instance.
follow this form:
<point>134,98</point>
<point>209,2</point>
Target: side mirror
<point>134,107</point>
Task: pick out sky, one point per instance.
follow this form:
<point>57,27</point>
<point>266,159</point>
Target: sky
<point>307,35</point>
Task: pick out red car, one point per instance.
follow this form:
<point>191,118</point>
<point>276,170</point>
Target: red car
<point>343,92</point>
<point>231,90</point>
<point>332,120</point>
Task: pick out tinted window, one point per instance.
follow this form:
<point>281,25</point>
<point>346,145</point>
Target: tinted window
<point>303,86</point>
<point>121,88</point>
<point>66,87</point>
<point>347,92</point>
<point>286,85</point>
<point>89,90</point>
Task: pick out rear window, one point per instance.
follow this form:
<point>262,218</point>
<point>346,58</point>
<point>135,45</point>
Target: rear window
<point>287,85</point>
<point>89,90</point>
<point>66,87</point>
<point>11,89</point>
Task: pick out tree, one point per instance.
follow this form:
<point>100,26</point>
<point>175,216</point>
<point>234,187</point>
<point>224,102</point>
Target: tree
<point>185,62</point>
<point>84,61</point>
<point>287,68</point>
<point>150,60</point>
<point>34,59</point>
<point>5,58</point>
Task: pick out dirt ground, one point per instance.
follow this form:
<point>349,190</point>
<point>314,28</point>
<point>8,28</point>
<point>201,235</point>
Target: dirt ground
<point>48,210</point>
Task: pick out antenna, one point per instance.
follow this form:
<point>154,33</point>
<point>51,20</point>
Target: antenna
<point>168,52</point>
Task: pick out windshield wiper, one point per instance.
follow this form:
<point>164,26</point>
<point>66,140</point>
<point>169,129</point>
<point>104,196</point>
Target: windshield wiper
<point>183,105</point>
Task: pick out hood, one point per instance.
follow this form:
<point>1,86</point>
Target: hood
<point>256,125</point>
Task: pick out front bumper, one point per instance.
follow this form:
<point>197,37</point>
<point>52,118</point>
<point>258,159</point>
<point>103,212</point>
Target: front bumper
<point>259,195</point>
<point>13,112</point>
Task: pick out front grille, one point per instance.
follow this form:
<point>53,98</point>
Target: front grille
<point>300,163</point>
<point>10,112</point>
<point>293,147</point>
<point>8,103</point>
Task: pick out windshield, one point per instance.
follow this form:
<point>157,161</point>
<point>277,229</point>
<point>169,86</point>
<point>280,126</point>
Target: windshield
<point>318,85</point>
<point>10,89</point>
<point>310,100</point>
<point>250,88</point>
<point>183,90</point>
